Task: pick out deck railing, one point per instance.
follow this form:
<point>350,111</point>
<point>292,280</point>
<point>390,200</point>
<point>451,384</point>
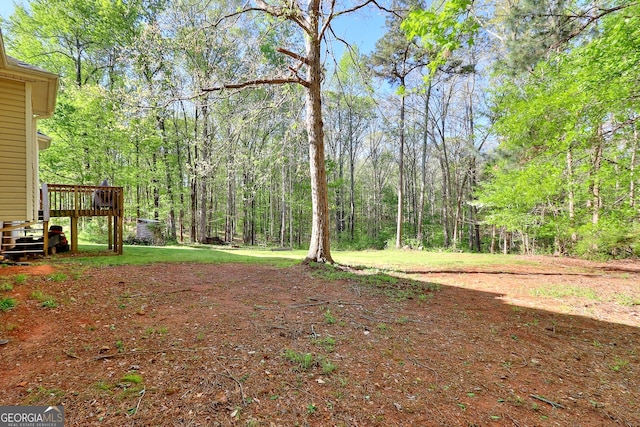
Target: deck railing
<point>72,201</point>
<point>75,201</point>
<point>60,200</point>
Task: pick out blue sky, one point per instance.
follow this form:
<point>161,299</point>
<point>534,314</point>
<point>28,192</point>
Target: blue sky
<point>6,7</point>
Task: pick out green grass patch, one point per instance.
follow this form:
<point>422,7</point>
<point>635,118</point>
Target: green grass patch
<point>47,301</point>
<point>304,361</point>
<point>5,287</point>
<point>564,291</point>
<point>627,300</point>
<point>307,361</point>
<point>133,378</point>
<point>328,343</point>
<point>393,287</point>
<point>20,279</point>
<point>401,260</point>
<point>96,256</point>
<point>386,260</point>
<point>58,277</point>
<point>7,304</point>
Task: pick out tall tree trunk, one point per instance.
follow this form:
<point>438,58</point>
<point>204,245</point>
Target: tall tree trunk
<point>632,168</point>
<point>400,174</point>
<point>192,160</point>
<point>352,178</point>
<point>203,175</point>
<point>445,167</point>
<point>283,193</point>
<point>319,246</point>
<point>595,183</point>
<point>230,217</point>
<point>171,219</point>
<point>193,193</point>
<point>571,193</point>
<point>423,166</point>
<point>155,188</point>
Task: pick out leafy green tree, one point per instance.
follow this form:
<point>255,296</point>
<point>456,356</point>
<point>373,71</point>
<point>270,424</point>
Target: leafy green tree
<point>574,118</point>
<point>350,106</point>
<point>82,40</point>
<point>394,59</point>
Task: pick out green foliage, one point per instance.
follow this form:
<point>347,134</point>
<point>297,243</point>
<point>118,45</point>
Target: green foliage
<point>442,30</point>
<point>565,171</point>
<point>535,28</point>
<point>609,240</point>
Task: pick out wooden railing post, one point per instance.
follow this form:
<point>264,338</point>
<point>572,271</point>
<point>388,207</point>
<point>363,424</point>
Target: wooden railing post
<point>46,212</point>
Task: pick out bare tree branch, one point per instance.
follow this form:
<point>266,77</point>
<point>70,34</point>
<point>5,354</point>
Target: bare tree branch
<point>591,19</point>
<point>257,82</point>
<point>327,21</point>
<point>365,4</point>
<point>293,55</point>
<point>292,13</point>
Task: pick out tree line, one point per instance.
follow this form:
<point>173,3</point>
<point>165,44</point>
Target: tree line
<point>486,126</point>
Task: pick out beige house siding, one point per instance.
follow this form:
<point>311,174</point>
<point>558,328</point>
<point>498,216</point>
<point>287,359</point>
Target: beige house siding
<point>14,152</point>
<point>33,182</point>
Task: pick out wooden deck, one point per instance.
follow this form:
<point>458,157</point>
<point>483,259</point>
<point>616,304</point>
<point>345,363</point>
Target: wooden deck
<point>75,201</point>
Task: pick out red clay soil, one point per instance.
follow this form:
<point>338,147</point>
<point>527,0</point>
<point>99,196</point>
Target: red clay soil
<point>550,343</point>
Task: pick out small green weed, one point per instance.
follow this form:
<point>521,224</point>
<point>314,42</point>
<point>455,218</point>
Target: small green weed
<point>327,343</point>
<point>9,327</point>
<point>131,385</point>
<point>42,394</point>
<point>7,304</point>
<point>58,277</point>
<point>327,366</point>
<point>329,318</point>
<point>45,300</point>
<point>20,279</point>
<point>161,330</point>
<point>627,300</point>
<point>618,364</point>
<point>102,386</point>
<point>132,377</point>
<point>305,361</point>
<point>6,287</point>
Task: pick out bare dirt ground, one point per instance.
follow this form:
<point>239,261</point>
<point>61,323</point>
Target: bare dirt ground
<point>554,342</point>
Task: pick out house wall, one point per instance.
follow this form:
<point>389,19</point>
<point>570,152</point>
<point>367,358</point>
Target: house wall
<point>16,179</point>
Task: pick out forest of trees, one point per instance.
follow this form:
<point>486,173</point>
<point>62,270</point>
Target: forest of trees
<point>491,126</point>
